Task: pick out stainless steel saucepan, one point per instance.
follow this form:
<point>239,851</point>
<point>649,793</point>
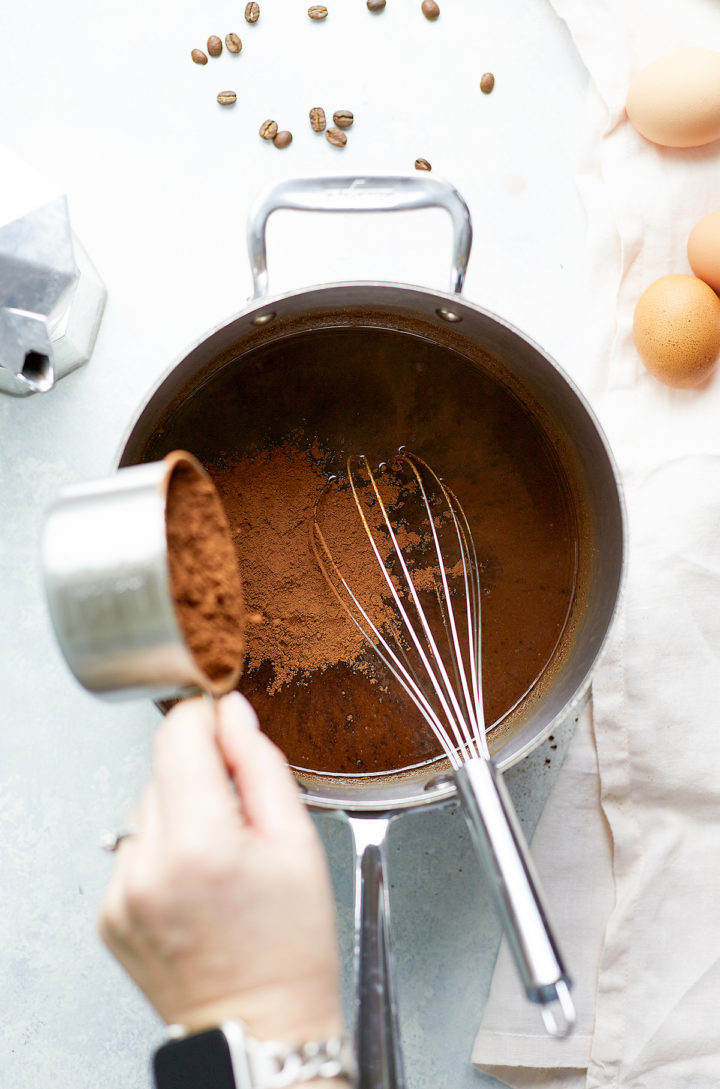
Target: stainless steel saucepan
<point>447,320</point>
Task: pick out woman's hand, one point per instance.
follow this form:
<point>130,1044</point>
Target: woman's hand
<point>221,906</point>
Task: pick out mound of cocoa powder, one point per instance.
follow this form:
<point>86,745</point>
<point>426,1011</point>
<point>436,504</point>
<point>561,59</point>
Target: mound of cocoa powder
<point>295,620</point>
<point>204,574</point>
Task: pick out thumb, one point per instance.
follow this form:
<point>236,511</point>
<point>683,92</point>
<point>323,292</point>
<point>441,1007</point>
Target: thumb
<point>268,793</point>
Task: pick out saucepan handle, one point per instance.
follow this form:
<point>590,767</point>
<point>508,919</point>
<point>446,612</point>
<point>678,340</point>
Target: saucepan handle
<point>377,1035</point>
<point>503,852</point>
<point>359,194</point>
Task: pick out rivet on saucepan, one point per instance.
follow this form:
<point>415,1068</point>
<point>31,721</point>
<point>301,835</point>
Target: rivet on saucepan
<point>439,781</point>
<point>264,319</point>
<point>448,315</point>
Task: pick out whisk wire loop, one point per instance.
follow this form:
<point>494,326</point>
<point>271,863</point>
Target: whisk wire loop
<point>371,633</point>
<point>432,661</point>
<point>444,682</point>
<point>471,728</point>
<point>471,578</point>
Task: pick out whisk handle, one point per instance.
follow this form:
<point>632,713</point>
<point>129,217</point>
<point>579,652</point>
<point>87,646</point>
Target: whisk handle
<point>505,857</point>
<point>377,1033</point>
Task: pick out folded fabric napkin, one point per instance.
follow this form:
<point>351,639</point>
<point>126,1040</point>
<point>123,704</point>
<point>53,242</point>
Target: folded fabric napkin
<point>642,938</point>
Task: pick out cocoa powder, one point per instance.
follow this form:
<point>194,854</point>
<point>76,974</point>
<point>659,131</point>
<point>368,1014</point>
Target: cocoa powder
<point>295,620</point>
<point>204,575</point>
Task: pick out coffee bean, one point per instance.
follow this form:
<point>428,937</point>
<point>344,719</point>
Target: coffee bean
<point>430,10</point>
<point>252,13</point>
<point>422,164</point>
<point>317,119</point>
<point>487,83</point>
<point>318,11</point>
<point>198,56</point>
<point>233,43</point>
<point>283,139</point>
<point>227,98</point>
<point>376,5</point>
<point>268,130</point>
<point>336,137</point>
<point>214,45</point>
<point>343,119</point>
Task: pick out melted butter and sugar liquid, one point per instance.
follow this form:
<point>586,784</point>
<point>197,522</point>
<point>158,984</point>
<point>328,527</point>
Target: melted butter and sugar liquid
<point>369,390</point>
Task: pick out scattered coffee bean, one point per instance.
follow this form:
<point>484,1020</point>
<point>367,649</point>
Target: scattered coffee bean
<point>317,119</point>
<point>343,118</point>
<point>336,137</point>
<point>227,98</point>
<point>233,43</point>
<point>214,45</point>
<point>198,56</point>
<point>318,11</point>
<point>268,130</point>
<point>430,10</point>
<point>375,5</point>
<point>283,139</point>
<point>487,83</point>
<point>252,13</point>
<point>422,164</point>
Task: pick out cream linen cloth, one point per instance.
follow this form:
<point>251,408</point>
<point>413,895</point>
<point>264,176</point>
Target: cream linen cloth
<point>653,959</point>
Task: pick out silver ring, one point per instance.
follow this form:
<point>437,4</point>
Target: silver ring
<point>110,841</point>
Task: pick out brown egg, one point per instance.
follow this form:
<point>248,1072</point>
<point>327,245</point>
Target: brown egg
<point>675,100</point>
<point>703,250</point>
<point>677,330</point>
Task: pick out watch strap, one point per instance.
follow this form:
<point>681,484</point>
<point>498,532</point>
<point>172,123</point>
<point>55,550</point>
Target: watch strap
<point>274,1065</point>
<point>227,1057</point>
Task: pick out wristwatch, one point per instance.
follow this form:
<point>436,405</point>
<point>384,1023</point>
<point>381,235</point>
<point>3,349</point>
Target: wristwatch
<point>227,1057</point>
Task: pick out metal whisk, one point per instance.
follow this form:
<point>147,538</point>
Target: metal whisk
<point>420,610</point>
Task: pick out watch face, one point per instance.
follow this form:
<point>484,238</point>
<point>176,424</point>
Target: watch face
<point>201,1061</point>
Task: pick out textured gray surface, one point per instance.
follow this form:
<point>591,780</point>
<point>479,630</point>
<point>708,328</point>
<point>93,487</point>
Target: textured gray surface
<point>159,180</point>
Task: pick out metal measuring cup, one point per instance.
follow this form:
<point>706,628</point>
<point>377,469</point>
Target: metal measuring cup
<point>107,579</point>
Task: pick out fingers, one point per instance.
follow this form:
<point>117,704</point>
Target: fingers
<point>190,811</point>
<point>134,855</point>
<point>194,794</point>
<point>267,790</point>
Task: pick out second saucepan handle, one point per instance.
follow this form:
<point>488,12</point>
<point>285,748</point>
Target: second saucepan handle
<point>377,1035</point>
<point>359,193</point>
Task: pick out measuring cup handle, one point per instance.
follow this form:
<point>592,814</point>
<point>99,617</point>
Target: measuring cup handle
<point>377,1034</point>
<point>503,852</point>
<point>359,194</point>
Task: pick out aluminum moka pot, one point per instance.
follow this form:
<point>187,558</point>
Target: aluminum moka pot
<point>108,587</point>
<point>51,296</point>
